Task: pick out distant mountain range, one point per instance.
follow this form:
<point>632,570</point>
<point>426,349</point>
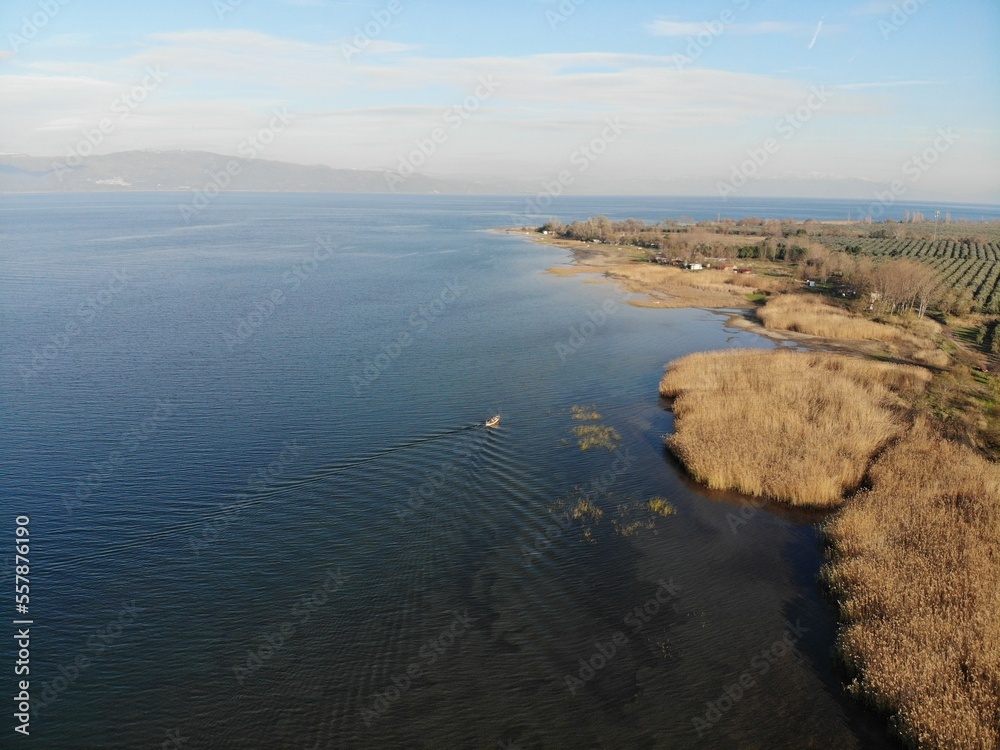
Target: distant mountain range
<point>201,170</point>
<point>197,170</point>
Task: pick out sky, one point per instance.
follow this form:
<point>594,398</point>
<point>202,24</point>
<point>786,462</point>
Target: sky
<point>591,92</point>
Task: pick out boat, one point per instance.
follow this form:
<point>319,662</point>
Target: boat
<point>493,421</point>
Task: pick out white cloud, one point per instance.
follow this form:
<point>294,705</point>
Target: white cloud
<point>365,113</point>
<point>666,27</point>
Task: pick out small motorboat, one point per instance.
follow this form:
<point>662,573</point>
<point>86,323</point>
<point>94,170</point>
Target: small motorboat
<point>493,422</point>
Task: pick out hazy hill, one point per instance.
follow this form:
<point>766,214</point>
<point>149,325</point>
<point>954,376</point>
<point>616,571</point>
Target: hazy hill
<point>193,170</point>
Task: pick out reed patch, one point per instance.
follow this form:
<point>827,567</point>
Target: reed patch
<point>915,571</point>
<point>590,437</point>
<point>801,427</point>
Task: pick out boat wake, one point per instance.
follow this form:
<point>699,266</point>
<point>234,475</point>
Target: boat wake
<point>240,501</point>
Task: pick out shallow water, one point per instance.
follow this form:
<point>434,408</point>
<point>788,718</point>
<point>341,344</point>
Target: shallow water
<point>298,511</point>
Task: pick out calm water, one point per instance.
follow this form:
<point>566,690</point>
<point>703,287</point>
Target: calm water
<point>263,513</point>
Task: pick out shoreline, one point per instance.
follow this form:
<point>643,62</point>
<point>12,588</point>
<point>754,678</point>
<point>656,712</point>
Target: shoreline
<point>884,429</point>
<point>602,260</point>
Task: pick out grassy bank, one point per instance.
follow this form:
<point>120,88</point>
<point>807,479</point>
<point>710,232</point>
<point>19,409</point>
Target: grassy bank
<point>916,572</point>
<point>910,339</point>
<point>797,426</point>
<point>915,549</point>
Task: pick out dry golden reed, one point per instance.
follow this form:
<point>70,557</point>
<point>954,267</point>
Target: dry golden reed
<point>916,569</point>
<point>909,338</point>
<point>816,317</point>
<point>797,426</point>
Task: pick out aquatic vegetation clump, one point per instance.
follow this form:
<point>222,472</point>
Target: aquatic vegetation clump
<point>585,509</point>
<point>628,528</point>
<point>592,436</point>
<point>661,506</point>
<point>585,413</point>
<point>639,516</point>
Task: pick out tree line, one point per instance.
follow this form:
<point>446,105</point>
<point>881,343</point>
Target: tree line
<point>888,287</point>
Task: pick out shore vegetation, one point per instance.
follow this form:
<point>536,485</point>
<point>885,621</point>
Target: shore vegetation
<point>916,572</point>
<point>889,415</point>
<point>796,426</point>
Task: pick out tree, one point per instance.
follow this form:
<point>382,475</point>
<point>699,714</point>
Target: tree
<point>817,262</point>
<point>903,284</point>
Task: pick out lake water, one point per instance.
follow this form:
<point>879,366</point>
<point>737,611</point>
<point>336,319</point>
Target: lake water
<point>264,512</point>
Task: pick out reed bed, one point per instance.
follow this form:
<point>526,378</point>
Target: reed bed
<point>816,317</point>
<point>914,339</point>
<point>916,570</point>
<point>800,427</point>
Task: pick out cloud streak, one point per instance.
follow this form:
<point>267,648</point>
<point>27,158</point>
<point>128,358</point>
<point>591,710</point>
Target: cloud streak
<point>668,28</point>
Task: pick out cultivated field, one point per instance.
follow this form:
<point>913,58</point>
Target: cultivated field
<point>965,254</point>
<point>962,264</point>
